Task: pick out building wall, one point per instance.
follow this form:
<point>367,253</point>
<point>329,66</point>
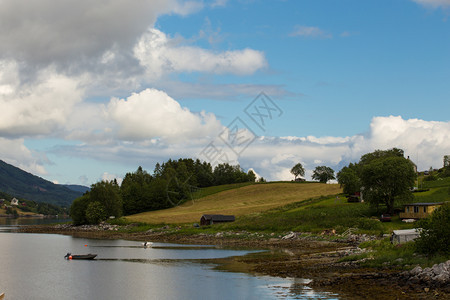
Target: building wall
<point>417,211</point>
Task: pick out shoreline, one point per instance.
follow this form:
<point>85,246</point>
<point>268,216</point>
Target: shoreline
<point>301,257</point>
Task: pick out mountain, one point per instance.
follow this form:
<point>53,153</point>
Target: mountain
<point>77,188</point>
<point>21,184</point>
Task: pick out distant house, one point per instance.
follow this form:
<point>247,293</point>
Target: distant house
<point>405,235</point>
<point>299,179</point>
<point>214,219</point>
<point>14,201</point>
<point>418,210</point>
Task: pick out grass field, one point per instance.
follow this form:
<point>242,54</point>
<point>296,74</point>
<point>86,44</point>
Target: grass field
<point>240,201</point>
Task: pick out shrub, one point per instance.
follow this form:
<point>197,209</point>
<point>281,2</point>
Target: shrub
<point>95,213</point>
<point>435,237</point>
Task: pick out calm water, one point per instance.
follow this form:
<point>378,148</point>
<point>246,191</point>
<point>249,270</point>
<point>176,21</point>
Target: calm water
<point>32,267</point>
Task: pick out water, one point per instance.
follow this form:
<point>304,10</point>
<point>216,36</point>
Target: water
<point>32,267</point>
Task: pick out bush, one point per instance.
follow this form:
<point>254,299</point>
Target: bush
<point>435,237</point>
<point>430,178</point>
<point>95,213</point>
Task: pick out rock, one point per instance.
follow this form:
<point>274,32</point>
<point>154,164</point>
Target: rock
<point>289,236</point>
<point>442,278</point>
<point>416,271</point>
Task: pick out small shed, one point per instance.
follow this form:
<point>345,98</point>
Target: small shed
<point>418,210</point>
<point>14,201</point>
<point>214,219</point>
<point>405,235</point>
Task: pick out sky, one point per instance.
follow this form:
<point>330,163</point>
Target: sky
<point>91,90</point>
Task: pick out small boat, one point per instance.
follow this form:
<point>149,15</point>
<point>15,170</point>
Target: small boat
<point>80,256</point>
<point>147,244</point>
<point>2,296</point>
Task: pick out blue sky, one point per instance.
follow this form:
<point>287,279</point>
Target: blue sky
<point>90,91</point>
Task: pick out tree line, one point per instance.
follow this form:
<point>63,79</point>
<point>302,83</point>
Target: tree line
<point>385,177</point>
<point>171,183</point>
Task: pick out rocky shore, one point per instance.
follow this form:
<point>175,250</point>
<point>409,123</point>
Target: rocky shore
<point>293,255</point>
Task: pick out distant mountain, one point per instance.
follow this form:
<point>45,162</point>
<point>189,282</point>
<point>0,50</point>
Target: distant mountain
<point>21,184</point>
<point>77,188</point>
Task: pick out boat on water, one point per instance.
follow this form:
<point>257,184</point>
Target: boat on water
<point>147,244</point>
<point>80,256</point>
<point>2,296</point>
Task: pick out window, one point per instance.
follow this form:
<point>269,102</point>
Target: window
<point>416,209</point>
<point>424,209</point>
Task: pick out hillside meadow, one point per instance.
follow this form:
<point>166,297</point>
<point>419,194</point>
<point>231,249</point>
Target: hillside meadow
<point>239,201</point>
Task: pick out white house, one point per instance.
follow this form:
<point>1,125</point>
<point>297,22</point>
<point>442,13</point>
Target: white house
<point>15,202</point>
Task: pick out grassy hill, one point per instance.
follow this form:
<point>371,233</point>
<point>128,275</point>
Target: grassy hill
<point>243,200</point>
<point>21,184</point>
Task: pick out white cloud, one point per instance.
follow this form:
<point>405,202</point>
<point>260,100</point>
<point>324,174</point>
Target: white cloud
<point>310,32</point>
<point>161,55</point>
<point>270,157</point>
<point>109,177</point>
<point>434,3</point>
<point>38,108</point>
<point>153,114</point>
<point>69,32</point>
<point>14,152</point>
<point>426,142</point>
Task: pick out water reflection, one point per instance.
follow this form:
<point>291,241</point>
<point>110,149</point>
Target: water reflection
<point>33,267</point>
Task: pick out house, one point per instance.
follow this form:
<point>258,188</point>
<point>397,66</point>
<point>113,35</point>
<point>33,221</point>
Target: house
<point>405,235</point>
<point>418,210</point>
<point>14,201</point>
<point>214,219</point>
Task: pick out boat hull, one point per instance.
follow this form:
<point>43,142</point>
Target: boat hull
<point>81,256</point>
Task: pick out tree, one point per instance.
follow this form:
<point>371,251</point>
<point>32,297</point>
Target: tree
<point>323,174</point>
<point>298,170</point>
<point>107,193</point>
<point>251,177</point>
<point>435,235</point>
<point>95,213</point>
<point>78,209</point>
<point>446,161</point>
<point>349,180</point>
<point>135,191</point>
<point>387,179</point>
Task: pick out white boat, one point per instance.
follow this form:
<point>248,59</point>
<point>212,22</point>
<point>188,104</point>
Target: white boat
<point>147,244</point>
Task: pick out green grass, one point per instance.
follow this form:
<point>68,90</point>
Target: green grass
<point>437,194</point>
<point>203,192</point>
<point>440,182</point>
<point>312,215</point>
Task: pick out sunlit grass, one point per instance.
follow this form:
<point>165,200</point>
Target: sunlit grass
<point>240,201</point>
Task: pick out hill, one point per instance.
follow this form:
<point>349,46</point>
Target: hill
<point>240,201</point>
<point>21,184</point>
<point>77,188</point>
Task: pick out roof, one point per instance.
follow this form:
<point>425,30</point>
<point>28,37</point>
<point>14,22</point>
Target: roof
<point>407,231</point>
<point>219,217</point>
<point>425,203</point>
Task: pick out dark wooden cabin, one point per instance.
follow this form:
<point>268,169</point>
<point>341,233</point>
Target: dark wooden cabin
<point>214,219</point>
